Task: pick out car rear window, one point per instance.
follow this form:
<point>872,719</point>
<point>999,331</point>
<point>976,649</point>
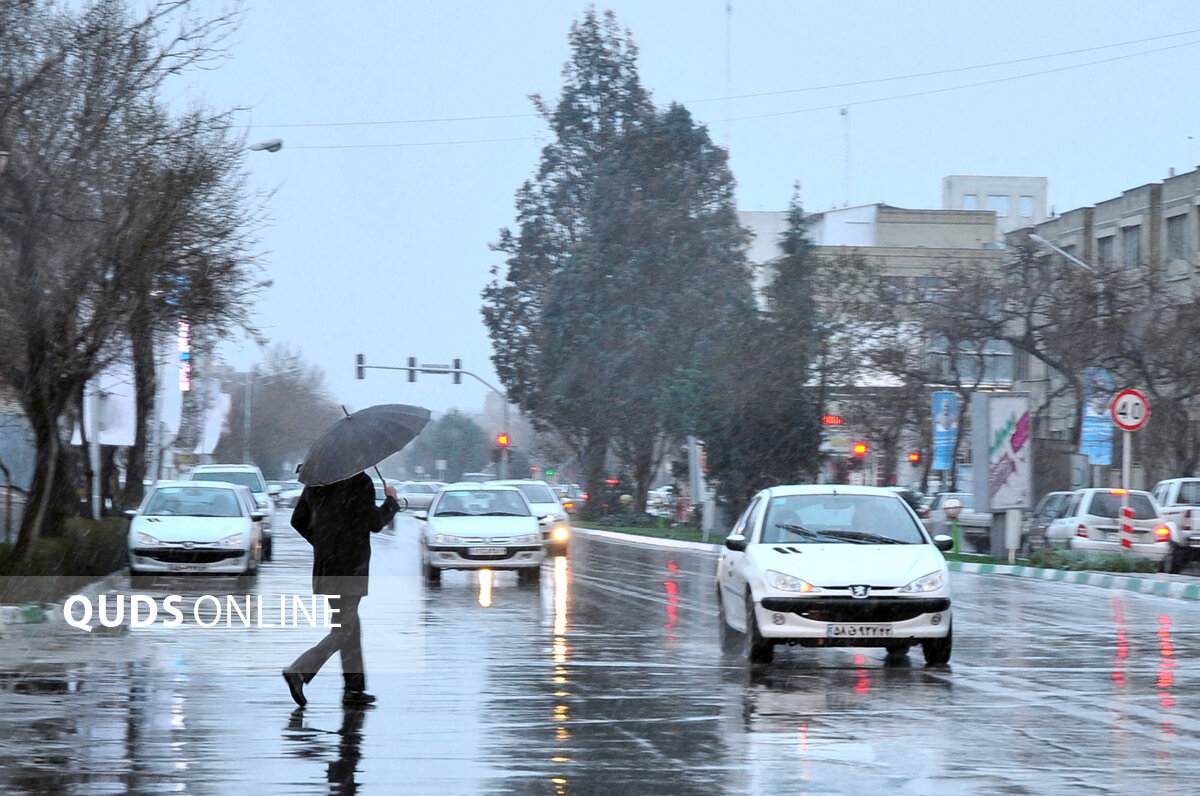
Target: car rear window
<point>536,493</point>
<point>246,479</point>
<point>1108,504</point>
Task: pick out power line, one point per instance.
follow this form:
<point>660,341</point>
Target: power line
<point>781,92</point>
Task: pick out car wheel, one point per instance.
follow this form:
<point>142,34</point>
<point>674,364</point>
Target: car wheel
<point>758,649</point>
<point>1174,560</point>
<point>937,650</point>
<point>730,638</point>
<point>433,575</point>
<point>266,548</point>
<point>897,651</point>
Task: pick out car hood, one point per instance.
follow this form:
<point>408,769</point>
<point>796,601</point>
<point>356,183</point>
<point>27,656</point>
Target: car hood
<point>840,565</point>
<point>187,529</point>
<point>483,527</point>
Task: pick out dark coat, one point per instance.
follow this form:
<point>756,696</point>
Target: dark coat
<point>338,520</point>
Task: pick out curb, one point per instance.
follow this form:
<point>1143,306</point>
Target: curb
<point>33,613</point>
<point>1160,585</point>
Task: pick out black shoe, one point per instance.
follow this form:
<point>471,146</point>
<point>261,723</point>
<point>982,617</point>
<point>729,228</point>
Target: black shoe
<point>295,684</point>
<point>358,698</point>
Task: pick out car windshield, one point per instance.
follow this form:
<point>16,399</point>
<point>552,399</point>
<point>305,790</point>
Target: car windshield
<point>830,518</point>
<point>243,478</point>
<point>193,502</point>
<point>1108,504</point>
<point>481,502</point>
<point>536,493</point>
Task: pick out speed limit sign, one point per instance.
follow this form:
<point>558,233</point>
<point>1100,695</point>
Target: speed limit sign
<point>1130,410</point>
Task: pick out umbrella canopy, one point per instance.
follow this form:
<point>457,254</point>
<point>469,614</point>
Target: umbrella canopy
<point>361,440</point>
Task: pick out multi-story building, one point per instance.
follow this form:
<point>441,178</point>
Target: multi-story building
<point>1017,201</point>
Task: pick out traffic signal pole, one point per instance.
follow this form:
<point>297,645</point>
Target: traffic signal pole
<point>456,370</point>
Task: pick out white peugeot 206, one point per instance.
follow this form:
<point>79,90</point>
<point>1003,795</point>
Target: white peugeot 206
<point>833,566</point>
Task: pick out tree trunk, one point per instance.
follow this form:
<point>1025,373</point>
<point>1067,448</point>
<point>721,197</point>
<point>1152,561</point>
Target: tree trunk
<point>643,466</point>
<point>38,516</point>
<point>145,386</point>
<point>594,451</point>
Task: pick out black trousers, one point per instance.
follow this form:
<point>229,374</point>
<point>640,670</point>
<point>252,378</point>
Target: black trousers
<point>346,640</point>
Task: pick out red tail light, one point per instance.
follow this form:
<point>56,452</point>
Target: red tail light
<point>1082,530</point>
<point>584,496</point>
<point>569,505</point>
<point>1162,534</point>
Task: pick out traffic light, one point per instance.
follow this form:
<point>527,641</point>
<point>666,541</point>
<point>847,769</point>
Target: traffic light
<point>359,371</point>
<point>458,371</point>
<point>860,450</point>
<point>412,368</point>
<point>831,420</point>
<point>501,440</point>
<point>914,458</point>
<point>549,472</point>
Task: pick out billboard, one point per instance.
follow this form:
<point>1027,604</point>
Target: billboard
<point>1001,438</point>
<point>945,429</point>
<point>1096,432</point>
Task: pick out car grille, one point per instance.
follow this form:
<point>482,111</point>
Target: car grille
<point>183,556</point>
<point>851,609</point>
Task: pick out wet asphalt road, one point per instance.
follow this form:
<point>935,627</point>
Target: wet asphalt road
<point>606,679</point>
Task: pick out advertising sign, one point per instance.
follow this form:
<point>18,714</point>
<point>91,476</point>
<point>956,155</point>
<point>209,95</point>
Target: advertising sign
<point>945,429</point>
<point>1001,438</point>
<point>1096,437</point>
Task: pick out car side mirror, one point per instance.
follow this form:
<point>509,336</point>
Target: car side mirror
<point>258,517</point>
<point>274,491</point>
<point>943,542</point>
<point>131,513</point>
<point>421,515</point>
<point>737,543</point>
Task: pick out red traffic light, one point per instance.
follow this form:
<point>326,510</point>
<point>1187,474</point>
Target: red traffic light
<point>860,449</point>
<point>501,440</point>
<point>611,481</point>
<point>831,420</point>
<point>914,457</point>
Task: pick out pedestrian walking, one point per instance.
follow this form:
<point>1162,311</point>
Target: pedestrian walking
<point>338,519</point>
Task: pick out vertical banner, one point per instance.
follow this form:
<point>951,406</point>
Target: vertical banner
<point>1096,437</point>
<point>1003,451</point>
<point>945,429</point>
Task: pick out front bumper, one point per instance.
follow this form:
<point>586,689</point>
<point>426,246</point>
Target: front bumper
<point>460,557</point>
<point>212,560</point>
<point>869,622</point>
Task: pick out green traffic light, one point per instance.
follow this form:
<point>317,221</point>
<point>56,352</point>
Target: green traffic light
<point>549,472</point>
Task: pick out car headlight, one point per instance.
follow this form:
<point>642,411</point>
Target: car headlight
<point>233,540</point>
<point>445,538</point>
<point>526,538</point>
<point>782,582</point>
<point>926,583</point>
<point>145,538</point>
<point>561,533</point>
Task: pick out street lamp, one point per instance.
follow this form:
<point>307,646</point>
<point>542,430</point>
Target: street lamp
<point>270,145</point>
<point>1039,239</point>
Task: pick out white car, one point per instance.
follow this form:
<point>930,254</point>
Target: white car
<point>833,566</point>
<point>249,476</point>
<point>184,526</point>
<point>1092,522</point>
<point>481,526</point>
<point>553,519</point>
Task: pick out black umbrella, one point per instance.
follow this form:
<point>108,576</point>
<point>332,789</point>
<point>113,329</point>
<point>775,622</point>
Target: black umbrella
<point>361,440</point>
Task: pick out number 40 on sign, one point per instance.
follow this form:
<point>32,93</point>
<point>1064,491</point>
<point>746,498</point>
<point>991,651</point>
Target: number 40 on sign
<point>1130,410</point>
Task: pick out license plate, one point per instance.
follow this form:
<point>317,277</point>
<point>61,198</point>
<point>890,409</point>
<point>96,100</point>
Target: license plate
<point>186,568</point>
<point>486,551</point>
<point>859,631</point>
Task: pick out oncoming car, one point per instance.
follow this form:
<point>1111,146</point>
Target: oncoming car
<point>186,526</point>
<point>249,476</point>
<point>552,517</point>
<point>833,566</point>
<point>481,526</point>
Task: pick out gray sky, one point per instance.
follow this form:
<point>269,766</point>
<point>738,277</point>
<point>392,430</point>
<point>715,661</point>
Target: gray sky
<point>408,129</point>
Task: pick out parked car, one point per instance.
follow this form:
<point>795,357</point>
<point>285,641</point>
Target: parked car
<point>249,476</point>
<point>571,496</point>
<point>553,521</point>
<point>974,527</point>
<point>181,526</point>
<point>481,526</point>
<point>833,565</point>
<point>1052,506</point>
<point>417,495</point>
<point>1179,499</point>
<point>1092,522</point>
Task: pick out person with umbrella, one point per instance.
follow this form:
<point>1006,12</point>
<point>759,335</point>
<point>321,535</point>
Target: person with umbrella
<point>337,514</point>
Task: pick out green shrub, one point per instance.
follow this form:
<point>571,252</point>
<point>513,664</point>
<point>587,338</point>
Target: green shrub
<point>86,547</point>
<point>1076,560</point>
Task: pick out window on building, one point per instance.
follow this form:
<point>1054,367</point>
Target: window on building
<point>1025,206</point>
<point>970,202</point>
<point>999,205</point>
<point>1131,238</point>
<point>1020,365</point>
<point>1106,251</point>
<point>1177,237</point>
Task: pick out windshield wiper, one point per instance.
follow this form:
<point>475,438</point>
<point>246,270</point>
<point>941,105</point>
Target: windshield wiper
<point>453,514</point>
<point>501,514</point>
<point>865,537</point>
<point>799,530</point>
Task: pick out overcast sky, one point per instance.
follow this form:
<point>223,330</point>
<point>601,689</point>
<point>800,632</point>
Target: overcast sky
<point>407,129</point>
